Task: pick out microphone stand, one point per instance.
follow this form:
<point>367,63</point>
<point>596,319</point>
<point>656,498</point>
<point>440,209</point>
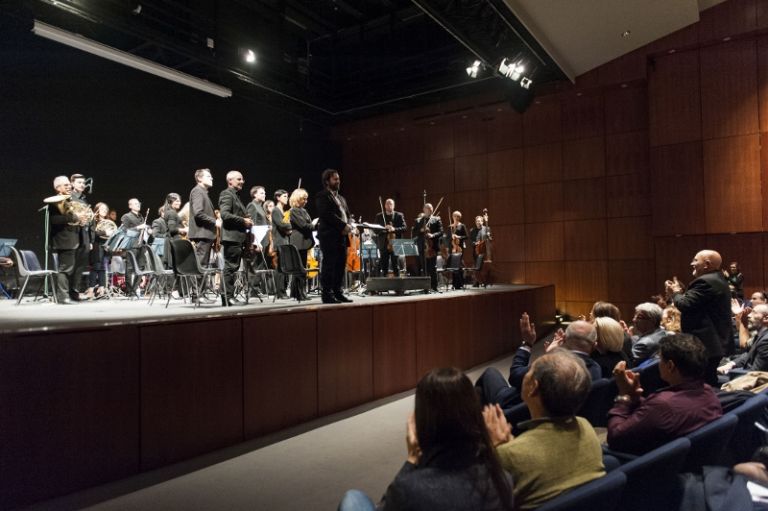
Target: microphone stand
<point>46,234</point>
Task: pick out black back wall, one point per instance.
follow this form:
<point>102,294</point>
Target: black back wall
<point>64,111</point>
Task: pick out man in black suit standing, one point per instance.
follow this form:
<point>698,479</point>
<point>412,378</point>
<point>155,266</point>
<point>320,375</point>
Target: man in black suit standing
<point>428,231</point>
<point>394,221</point>
<point>233,233</point>
<point>86,234</point>
<point>65,240</point>
<point>202,222</point>
<point>705,307</point>
<point>332,230</point>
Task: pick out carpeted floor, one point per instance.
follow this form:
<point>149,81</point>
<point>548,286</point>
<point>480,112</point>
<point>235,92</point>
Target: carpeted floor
<point>305,468</point>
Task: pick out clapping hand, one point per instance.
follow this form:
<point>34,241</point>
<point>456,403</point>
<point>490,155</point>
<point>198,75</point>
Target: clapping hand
<point>527,330</point>
<point>673,286</point>
<point>412,441</point>
<point>627,381</point>
<point>499,430</point>
<point>557,340</point>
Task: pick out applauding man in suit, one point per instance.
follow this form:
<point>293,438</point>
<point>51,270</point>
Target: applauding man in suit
<point>235,223</point>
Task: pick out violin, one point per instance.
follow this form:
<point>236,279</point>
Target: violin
<point>455,245</point>
<point>271,252</point>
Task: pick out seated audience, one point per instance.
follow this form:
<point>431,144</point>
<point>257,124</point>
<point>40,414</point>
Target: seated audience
<point>637,425</point>
<point>744,334</point>
<point>609,310</point>
<point>580,338</point>
<point>670,320</point>
<point>451,462</point>
<point>610,341</point>
<point>756,359</point>
<point>557,451</point>
<point>647,331</point>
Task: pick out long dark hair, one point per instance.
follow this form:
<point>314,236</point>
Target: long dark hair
<point>449,416</point>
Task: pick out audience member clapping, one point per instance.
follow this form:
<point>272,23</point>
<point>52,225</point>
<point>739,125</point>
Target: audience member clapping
<point>451,462</point>
<point>647,331</point>
<point>637,425</point>
<point>670,320</point>
<point>557,450</point>
<point>756,359</point>
<point>610,341</point>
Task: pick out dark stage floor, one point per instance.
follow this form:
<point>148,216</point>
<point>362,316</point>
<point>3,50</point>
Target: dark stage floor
<point>33,316</point>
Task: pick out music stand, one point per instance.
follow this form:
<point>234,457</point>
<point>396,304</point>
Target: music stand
<point>404,247</point>
<point>5,246</point>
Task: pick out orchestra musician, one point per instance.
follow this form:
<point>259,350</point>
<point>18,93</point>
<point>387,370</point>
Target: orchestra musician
<point>173,223</point>
<point>86,233</point>
<point>332,231</point>
<point>65,239</point>
<point>301,238</point>
<point>478,234</point>
<point>428,230</point>
<point>281,230</point>
<point>394,223</point>
<point>457,243</point>
<point>202,222</point>
<point>97,257</point>
<point>235,225</point>
<point>133,219</point>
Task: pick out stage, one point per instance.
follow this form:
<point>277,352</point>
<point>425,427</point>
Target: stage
<point>98,391</point>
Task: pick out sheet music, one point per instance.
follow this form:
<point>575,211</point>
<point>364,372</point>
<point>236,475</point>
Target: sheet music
<point>259,233</point>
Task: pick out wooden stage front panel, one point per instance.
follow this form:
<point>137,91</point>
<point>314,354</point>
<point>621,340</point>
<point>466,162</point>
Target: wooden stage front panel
<point>91,404</point>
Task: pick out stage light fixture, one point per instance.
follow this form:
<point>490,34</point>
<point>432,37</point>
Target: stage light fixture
<point>250,56</point>
<point>101,50</point>
<point>473,69</point>
<point>512,70</point>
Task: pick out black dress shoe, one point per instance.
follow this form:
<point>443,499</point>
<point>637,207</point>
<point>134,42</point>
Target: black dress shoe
<point>235,301</point>
<point>330,299</point>
<point>282,296</point>
<point>75,297</point>
<point>65,301</point>
<point>342,299</point>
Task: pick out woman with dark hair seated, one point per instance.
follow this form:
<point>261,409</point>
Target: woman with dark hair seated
<point>451,463</point>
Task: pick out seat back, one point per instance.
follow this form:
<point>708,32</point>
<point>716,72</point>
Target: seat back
<point>602,494</point>
<point>747,437</point>
<point>289,260</point>
<point>184,259</point>
<point>652,481</point>
<point>599,401</point>
<point>31,260</point>
<point>709,443</point>
<point>133,262</point>
<point>453,262</point>
<point>18,263</point>
<point>650,378</point>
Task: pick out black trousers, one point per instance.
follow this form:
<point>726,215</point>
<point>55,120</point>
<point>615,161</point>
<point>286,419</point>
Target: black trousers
<point>334,260</point>
<point>299,282</point>
<point>82,254</point>
<point>493,389</point>
<point>430,269</point>
<point>233,254</point>
<point>66,268</point>
<point>388,260</point>
<point>203,250</point>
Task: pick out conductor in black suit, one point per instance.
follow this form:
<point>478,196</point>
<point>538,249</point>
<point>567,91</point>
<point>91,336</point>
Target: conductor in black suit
<point>332,231</point>
<point>394,222</point>
<point>234,226</point>
<point>705,308</point>
<point>202,222</point>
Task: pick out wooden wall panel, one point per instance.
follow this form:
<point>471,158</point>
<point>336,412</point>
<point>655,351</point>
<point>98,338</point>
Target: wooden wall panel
<point>394,349</point>
<point>628,195</point>
<point>470,137</point>
<point>505,131</point>
<point>630,238</point>
<point>582,116</point>
<point>192,389</point>
<point>505,168</point>
<point>673,256</point>
<point>729,103</point>
<point>626,110</point>
<point>733,200</point>
<point>70,412</point>
<point>583,199</point>
<point>438,178</point>
<point>764,172</point>
<point>508,273</point>
<point>627,153</point>
<point>677,189</point>
<point>543,163</point>
<point>544,202</point>
<point>675,99</point>
<point>762,81</point>
<point>508,243</point>
<point>632,281</point>
<point>544,242</point>
<point>541,122</point>
<point>468,204</point>
<point>746,249</point>
<point>552,272</point>
<point>470,172</point>
<point>438,142</point>
<point>584,158</point>
<point>271,368</point>
<point>685,37</point>
<point>728,19</point>
<point>586,281</point>
<point>585,240</point>
<point>626,68</point>
<point>344,358</point>
<point>505,206</point>
<point>438,334</point>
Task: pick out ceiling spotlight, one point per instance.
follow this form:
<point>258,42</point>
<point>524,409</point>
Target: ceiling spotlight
<point>512,70</point>
<point>473,69</point>
<point>626,34</point>
<point>250,57</point>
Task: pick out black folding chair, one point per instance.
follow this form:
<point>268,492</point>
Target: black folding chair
<point>22,272</point>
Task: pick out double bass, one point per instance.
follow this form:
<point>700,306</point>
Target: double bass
<point>353,251</point>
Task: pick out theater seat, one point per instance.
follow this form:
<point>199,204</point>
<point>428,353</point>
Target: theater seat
<point>599,401</point>
<point>599,495</point>
<point>652,482</point>
<point>747,437</point>
<point>709,443</point>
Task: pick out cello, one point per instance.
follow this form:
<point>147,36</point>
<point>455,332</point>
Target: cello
<point>353,251</point>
